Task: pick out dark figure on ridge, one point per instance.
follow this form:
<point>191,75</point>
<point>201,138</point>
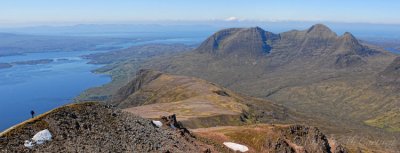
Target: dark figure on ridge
<point>33,113</point>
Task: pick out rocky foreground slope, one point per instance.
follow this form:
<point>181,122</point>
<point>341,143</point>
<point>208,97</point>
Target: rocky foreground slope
<point>95,127</point>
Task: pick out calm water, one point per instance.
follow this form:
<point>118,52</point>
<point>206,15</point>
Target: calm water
<point>46,86</point>
<point>393,50</point>
<point>43,87</point>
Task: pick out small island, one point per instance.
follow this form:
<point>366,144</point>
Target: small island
<point>62,60</point>
<point>5,65</point>
<point>34,62</point>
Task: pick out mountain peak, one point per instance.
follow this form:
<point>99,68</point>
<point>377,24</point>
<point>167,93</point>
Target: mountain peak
<point>349,37</point>
<point>350,43</point>
<point>319,28</point>
<point>257,28</point>
<point>238,41</point>
<point>321,31</point>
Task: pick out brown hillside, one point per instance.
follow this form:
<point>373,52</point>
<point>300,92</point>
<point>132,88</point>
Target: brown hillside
<point>197,102</point>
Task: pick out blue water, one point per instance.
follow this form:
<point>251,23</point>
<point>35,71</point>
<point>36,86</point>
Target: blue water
<point>46,86</point>
<point>393,50</point>
<point>43,87</point>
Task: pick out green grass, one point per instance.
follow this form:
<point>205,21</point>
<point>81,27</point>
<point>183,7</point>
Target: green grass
<point>389,121</point>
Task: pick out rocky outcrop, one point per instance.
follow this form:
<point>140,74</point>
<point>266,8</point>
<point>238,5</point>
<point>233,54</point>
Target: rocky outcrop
<point>94,127</point>
<point>281,146</point>
<point>304,139</point>
<point>275,138</point>
<point>310,138</point>
<point>339,149</point>
<point>171,122</point>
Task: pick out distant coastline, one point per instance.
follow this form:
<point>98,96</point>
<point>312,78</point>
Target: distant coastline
<point>5,65</point>
<point>29,62</point>
<point>33,62</point>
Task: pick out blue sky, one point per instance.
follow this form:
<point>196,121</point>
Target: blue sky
<point>119,11</point>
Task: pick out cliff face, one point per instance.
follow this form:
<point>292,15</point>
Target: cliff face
<point>94,127</point>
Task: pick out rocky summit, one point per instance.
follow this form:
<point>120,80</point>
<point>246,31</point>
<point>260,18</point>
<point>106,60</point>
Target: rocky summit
<point>95,127</point>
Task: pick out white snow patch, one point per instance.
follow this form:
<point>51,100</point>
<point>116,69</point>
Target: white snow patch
<point>236,147</point>
<point>39,138</point>
<point>157,123</point>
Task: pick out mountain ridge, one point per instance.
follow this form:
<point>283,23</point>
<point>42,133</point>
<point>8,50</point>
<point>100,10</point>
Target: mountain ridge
<point>195,101</point>
<point>255,43</point>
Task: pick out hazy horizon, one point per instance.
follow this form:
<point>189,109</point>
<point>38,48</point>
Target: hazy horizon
<point>24,13</point>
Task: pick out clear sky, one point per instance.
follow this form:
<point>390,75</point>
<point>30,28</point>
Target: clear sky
<point>117,11</point>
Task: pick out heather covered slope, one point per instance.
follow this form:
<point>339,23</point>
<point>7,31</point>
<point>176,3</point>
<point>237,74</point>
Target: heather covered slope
<point>94,127</point>
<point>196,102</point>
<point>314,71</point>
